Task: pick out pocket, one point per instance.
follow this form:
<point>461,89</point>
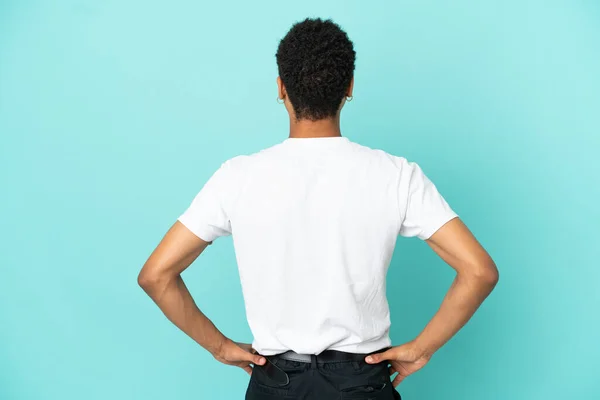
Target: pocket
<point>258,391</point>
<point>366,391</point>
<point>262,385</point>
<point>369,382</point>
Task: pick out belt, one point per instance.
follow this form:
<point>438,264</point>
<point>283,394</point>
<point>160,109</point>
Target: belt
<point>327,356</point>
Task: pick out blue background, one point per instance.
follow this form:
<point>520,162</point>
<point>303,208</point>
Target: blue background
<point>113,114</point>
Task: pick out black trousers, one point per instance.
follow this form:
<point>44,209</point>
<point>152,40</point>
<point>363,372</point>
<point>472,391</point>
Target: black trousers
<point>284,379</point>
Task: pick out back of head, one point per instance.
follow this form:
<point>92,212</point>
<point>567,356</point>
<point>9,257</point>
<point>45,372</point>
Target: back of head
<point>316,65</point>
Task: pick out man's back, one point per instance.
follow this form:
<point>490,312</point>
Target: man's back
<point>314,223</point>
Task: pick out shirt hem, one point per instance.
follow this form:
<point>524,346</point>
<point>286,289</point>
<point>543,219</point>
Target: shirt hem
<point>440,223</point>
<point>204,235</point>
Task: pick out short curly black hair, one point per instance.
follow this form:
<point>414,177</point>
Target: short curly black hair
<point>316,65</point>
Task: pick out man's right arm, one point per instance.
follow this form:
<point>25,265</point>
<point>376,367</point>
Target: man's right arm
<point>161,280</point>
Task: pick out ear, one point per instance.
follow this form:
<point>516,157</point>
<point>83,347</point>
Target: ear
<point>280,89</point>
<point>351,87</point>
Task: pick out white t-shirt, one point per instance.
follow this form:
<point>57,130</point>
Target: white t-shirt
<point>314,224</point>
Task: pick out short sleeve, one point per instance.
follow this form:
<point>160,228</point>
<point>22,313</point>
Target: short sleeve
<point>426,210</point>
<point>207,217</point>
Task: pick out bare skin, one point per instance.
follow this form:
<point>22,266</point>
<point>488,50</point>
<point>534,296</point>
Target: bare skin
<point>310,129</point>
<point>161,280</point>
<point>476,276</point>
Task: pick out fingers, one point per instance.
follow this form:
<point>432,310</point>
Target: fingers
<point>399,378</point>
<point>392,370</point>
<point>377,358</point>
<point>248,369</point>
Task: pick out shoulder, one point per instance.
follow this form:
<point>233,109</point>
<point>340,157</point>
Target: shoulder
<point>384,158</point>
<point>242,163</point>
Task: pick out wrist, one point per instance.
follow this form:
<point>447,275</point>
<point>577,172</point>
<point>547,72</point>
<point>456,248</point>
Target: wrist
<point>421,349</point>
<point>220,347</point>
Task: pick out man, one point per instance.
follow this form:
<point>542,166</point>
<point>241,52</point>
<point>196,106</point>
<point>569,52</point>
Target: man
<point>314,221</point>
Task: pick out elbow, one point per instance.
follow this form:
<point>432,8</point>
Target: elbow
<point>149,280</point>
<point>145,280</point>
<point>483,274</point>
<point>488,274</point>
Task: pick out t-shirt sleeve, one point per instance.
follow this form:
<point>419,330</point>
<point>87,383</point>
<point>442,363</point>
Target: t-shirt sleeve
<point>425,210</point>
<point>207,217</point>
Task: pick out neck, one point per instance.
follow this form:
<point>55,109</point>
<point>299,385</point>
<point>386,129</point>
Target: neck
<point>313,129</point>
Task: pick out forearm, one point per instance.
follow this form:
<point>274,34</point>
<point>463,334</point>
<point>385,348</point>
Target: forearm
<point>174,299</point>
<point>460,303</point>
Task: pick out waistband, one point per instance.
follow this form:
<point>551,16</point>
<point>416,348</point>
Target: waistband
<point>327,356</point>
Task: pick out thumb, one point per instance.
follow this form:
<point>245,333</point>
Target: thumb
<point>379,357</point>
<point>258,360</point>
<point>254,358</point>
